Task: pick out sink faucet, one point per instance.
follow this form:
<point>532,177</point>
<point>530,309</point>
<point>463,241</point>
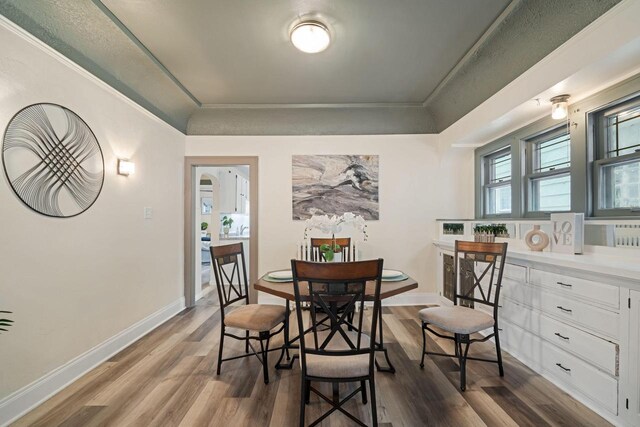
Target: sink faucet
<point>243,228</point>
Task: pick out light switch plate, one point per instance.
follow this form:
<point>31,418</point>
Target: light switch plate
<point>148,213</point>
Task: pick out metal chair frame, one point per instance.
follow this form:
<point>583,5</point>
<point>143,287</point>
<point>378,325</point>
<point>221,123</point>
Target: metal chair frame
<point>329,289</point>
<point>488,253</point>
<point>227,255</point>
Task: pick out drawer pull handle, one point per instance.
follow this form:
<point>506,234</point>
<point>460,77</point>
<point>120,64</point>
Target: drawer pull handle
<point>566,310</point>
<point>561,336</point>
<point>559,365</point>
<point>566,285</point>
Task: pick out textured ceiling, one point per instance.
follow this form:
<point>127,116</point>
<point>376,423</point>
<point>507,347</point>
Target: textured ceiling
<point>405,66</point>
<point>238,52</point>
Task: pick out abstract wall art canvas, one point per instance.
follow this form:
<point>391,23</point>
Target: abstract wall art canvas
<point>335,184</point>
<point>52,160</point>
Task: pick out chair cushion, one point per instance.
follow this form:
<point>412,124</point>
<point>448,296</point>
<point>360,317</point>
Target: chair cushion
<point>336,366</point>
<point>256,317</point>
<point>457,319</point>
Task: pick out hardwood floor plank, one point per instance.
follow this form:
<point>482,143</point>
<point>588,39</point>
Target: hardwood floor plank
<point>82,416</point>
<point>521,413</point>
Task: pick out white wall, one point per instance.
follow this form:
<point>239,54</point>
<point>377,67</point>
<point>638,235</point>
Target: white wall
<point>74,283</point>
<point>418,184</point>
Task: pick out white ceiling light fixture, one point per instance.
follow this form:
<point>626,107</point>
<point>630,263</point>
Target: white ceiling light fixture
<point>310,37</point>
<point>559,107</point>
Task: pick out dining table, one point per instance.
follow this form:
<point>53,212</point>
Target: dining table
<point>284,289</point>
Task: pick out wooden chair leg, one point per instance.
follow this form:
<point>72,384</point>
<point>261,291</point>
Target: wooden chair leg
<point>220,350</point>
<point>374,409</point>
<point>498,351</point>
<point>246,343</point>
<point>363,387</point>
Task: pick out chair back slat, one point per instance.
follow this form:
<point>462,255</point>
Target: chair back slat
<point>343,242</point>
<point>481,285</point>
<point>228,264</point>
<point>335,290</point>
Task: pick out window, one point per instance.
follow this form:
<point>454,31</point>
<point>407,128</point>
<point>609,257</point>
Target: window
<point>617,160</point>
<point>497,183</point>
<point>548,179</point>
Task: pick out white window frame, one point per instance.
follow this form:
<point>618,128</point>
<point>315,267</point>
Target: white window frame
<point>531,169</point>
<point>489,183</point>
<point>602,159</point>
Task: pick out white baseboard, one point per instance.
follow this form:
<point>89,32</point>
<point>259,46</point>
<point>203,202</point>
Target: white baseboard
<point>413,298</point>
<point>27,398</point>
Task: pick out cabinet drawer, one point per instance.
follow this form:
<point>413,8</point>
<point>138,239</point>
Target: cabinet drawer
<point>578,288</point>
<point>520,315</point>
<point>590,317</point>
<point>580,376</point>
<point>564,308</point>
<point>515,272</point>
<point>599,352</point>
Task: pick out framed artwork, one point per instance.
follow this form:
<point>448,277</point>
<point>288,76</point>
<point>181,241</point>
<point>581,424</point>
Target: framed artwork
<point>52,160</point>
<point>207,205</point>
<point>335,184</point>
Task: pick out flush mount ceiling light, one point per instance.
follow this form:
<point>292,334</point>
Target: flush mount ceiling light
<point>559,107</point>
<point>310,37</point>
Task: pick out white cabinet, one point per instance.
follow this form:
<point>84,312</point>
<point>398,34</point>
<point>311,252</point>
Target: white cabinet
<point>578,327</point>
<point>234,192</point>
<point>242,195</point>
<point>633,377</point>
<point>227,179</point>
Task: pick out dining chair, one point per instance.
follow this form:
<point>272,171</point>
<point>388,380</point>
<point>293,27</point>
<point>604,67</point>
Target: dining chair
<point>232,284</point>
<point>337,355</point>
<point>343,242</point>
<point>483,289</point>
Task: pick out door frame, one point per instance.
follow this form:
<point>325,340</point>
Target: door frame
<point>190,164</point>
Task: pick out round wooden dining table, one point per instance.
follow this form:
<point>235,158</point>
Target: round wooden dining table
<point>285,290</point>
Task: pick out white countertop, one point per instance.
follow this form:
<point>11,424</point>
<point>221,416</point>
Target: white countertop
<point>232,237</point>
<point>605,264</point>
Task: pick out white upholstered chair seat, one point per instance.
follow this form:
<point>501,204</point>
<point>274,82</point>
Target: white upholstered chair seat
<point>457,319</point>
<point>256,317</point>
<point>330,366</point>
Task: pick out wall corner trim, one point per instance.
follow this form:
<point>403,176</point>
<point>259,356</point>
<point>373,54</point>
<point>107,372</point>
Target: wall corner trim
<point>27,398</point>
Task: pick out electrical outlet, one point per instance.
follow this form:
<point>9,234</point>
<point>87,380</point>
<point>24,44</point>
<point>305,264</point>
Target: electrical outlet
<point>148,213</point>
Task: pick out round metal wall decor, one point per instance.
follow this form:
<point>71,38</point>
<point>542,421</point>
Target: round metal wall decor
<point>53,160</point>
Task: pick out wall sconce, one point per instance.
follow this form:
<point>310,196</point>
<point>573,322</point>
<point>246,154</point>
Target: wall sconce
<point>559,107</point>
<point>126,167</point>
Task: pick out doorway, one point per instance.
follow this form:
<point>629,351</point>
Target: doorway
<point>218,188</point>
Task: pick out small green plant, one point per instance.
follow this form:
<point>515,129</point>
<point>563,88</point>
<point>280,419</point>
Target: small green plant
<point>227,221</point>
<point>204,226</point>
<point>5,323</point>
<point>491,229</point>
<point>329,251</point>
<point>453,228</point>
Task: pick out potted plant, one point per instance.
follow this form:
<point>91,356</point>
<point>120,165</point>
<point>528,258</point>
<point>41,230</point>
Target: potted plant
<point>204,226</point>
<point>488,233</point>
<point>329,250</point>
<point>226,225</point>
